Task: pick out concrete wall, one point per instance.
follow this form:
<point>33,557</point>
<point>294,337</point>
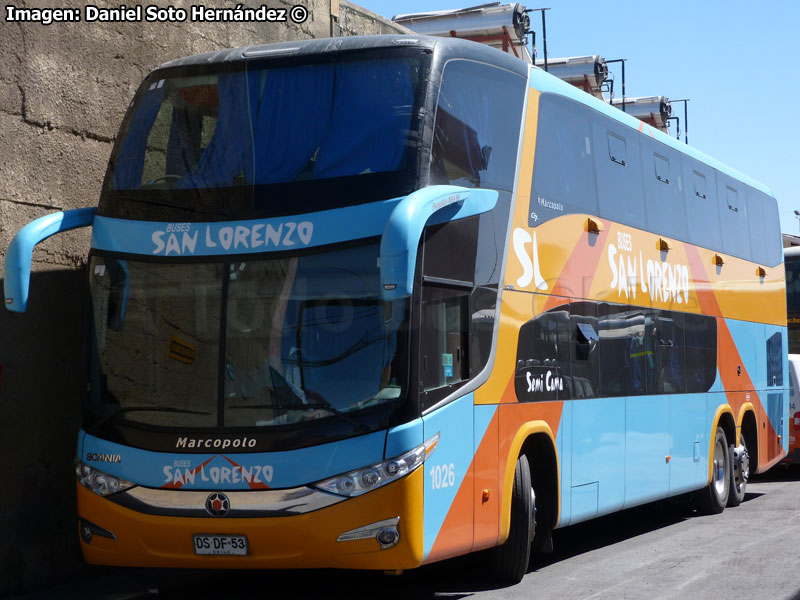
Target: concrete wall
<point>63,91</point>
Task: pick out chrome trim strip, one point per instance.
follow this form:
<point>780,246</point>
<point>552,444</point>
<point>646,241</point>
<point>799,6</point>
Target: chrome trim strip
<point>370,531</point>
<point>243,504</point>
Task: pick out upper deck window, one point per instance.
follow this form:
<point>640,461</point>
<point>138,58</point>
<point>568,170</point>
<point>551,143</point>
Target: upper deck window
<point>620,187</point>
<point>259,125</point>
<point>478,119</point>
<point>733,199</point>
<point>663,194</point>
<point>700,185</point>
<point>700,203</point>
<point>733,217</point>
<point>617,151</point>
<point>563,166</point>
<point>662,168</point>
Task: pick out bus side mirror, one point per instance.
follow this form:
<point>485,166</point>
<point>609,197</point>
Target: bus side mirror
<point>20,251</point>
<point>400,240</point>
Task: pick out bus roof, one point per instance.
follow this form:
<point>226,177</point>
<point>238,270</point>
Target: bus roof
<point>449,47</point>
<point>544,82</point>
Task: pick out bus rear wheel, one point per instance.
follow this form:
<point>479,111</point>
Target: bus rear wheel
<point>714,498</point>
<point>510,561</point>
<point>740,472</point>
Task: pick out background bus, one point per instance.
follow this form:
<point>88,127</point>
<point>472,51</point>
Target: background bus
<point>465,305</point>
<point>792,264</point>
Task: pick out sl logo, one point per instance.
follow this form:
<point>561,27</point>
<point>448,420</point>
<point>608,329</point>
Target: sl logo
<point>529,262</point>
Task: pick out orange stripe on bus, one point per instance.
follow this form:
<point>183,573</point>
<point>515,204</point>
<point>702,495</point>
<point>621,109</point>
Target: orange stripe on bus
<point>584,259</point>
<point>738,386</point>
<point>468,514</point>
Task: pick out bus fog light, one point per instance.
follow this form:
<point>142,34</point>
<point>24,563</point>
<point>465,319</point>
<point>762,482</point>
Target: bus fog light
<point>388,537</point>
<point>88,530</point>
<point>385,532</point>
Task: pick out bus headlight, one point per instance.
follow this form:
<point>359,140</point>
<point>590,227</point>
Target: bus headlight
<point>99,482</point>
<point>355,483</point>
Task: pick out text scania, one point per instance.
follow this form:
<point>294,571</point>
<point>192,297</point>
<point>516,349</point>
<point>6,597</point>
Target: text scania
<point>103,457</point>
<point>215,443</point>
<point>661,280</point>
<point>182,239</point>
<point>217,475</point>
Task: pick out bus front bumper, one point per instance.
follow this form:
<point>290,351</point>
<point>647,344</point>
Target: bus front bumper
<point>299,541</point>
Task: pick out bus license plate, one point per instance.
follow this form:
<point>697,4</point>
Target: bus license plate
<point>220,544</point>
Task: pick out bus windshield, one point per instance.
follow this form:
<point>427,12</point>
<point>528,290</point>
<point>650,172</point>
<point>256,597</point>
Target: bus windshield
<point>260,126</point>
<point>792,266</point>
<point>244,343</point>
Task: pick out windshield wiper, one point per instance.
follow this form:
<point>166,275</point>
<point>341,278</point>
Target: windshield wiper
<point>281,406</point>
<point>313,406</point>
<point>318,401</point>
<point>121,411</point>
<point>362,343</point>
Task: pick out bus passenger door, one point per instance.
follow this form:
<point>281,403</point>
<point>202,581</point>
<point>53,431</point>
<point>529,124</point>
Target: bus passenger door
<point>443,367</point>
<point>598,423</point>
<point>776,402</point>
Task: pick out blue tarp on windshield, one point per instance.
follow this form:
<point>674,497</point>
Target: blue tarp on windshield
<point>274,126</point>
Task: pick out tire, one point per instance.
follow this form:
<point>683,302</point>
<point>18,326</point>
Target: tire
<point>509,562</point>
<point>740,473</point>
<point>713,499</point>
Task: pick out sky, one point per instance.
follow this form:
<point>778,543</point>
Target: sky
<point>734,60</point>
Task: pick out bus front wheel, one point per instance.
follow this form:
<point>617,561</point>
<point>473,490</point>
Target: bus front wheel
<point>510,561</point>
<point>714,498</point>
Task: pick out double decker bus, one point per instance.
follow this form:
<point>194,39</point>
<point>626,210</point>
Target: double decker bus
<point>376,302</point>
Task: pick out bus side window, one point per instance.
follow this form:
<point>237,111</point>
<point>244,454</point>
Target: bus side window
<point>663,187</point>
<point>775,360</point>
<point>626,354</point>
<point>585,382</point>
<point>448,283</point>
<point>700,353</point>
<point>700,185</point>
<point>619,172</point>
<point>617,150</point>
<point>733,217</point>
<point>765,235</point>
<point>444,338</point>
<point>670,350</point>
<point>476,132</point>
<point>700,202</point>
<point>543,370</point>
<point>563,168</point>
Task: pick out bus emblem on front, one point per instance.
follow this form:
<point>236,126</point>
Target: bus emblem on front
<point>217,504</point>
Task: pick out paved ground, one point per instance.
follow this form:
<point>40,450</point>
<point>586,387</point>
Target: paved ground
<point>661,550</point>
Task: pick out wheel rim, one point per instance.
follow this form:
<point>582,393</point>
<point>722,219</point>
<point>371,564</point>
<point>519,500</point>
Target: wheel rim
<point>533,514</point>
<point>742,468</point>
<point>719,469</point>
